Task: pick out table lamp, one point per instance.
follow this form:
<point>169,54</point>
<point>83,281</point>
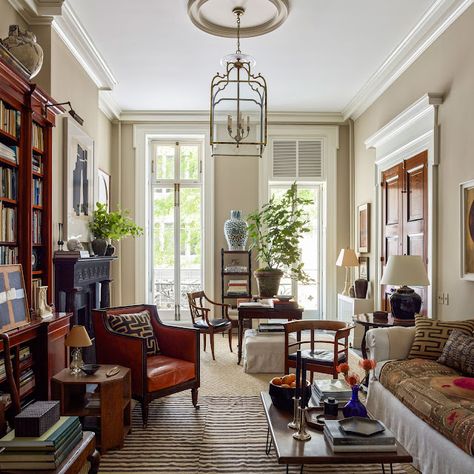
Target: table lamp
<point>77,339</point>
<point>347,258</point>
<point>405,271</point>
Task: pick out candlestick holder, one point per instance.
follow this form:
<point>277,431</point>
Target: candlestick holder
<point>302,434</point>
<point>294,425</point>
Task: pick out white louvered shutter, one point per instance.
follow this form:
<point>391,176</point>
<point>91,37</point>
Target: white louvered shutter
<point>297,159</point>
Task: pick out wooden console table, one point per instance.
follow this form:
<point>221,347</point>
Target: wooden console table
<point>110,404</point>
<point>252,312</point>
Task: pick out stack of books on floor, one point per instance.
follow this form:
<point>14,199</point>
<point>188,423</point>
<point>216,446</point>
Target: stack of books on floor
<point>44,452</point>
<point>338,389</point>
<point>237,288</point>
<point>342,441</point>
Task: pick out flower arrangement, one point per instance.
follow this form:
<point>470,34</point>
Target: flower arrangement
<point>352,378</point>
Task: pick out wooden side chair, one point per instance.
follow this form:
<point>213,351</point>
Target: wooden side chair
<point>200,314</point>
<point>322,360</point>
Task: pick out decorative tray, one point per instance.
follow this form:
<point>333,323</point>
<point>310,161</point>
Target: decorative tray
<point>361,426</point>
<point>315,417</point>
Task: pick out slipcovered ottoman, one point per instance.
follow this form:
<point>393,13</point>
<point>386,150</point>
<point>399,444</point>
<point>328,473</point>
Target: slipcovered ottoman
<point>264,353</point>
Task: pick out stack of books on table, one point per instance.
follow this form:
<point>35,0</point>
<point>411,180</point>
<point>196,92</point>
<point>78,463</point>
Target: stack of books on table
<point>271,328</point>
<point>237,288</point>
<point>44,452</point>
<point>338,389</point>
<point>341,441</point>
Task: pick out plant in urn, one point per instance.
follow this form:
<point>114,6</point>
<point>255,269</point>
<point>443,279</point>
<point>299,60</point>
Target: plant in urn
<point>235,231</point>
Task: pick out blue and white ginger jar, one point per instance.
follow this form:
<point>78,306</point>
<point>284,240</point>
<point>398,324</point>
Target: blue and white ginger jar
<point>235,231</point>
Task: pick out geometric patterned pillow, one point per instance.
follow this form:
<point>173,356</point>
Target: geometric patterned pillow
<point>135,325</point>
<point>458,353</point>
<point>431,336</point>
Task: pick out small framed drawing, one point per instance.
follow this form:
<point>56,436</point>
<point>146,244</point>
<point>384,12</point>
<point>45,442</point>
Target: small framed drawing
<point>364,268</point>
<point>467,230</point>
<point>14,310</point>
<point>79,179</point>
<point>103,188</point>
<point>363,219</point>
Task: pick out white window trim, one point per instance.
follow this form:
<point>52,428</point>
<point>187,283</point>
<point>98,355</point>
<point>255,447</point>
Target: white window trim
<point>411,132</point>
<point>329,134</point>
<point>143,135</point>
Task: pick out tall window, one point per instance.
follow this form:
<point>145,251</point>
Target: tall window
<point>176,225</point>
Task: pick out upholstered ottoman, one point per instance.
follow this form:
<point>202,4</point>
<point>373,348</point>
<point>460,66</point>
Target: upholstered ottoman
<point>264,353</point>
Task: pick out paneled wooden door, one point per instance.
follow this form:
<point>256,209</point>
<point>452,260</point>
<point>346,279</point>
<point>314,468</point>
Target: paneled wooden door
<point>405,216</point>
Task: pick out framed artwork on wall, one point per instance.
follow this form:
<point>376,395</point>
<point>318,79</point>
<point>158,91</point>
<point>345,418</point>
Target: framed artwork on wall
<point>364,268</point>
<point>103,188</point>
<point>14,310</point>
<point>79,173</point>
<point>467,230</point>
<point>363,221</point>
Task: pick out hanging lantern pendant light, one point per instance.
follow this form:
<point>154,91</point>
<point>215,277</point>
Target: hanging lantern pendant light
<point>249,91</point>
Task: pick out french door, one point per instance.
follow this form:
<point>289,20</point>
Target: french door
<point>308,295</point>
<point>176,197</point>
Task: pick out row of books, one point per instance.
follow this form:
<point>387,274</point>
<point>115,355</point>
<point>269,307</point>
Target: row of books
<point>44,452</point>
<point>8,255</point>
<point>7,224</point>
<point>9,183</point>
<point>37,239</point>
<point>9,153</point>
<point>37,192</point>
<point>330,388</point>
<point>37,163</point>
<point>342,441</point>
<point>237,287</point>
<point>38,137</point>
<point>10,120</point>
<point>25,352</point>
<point>2,366</point>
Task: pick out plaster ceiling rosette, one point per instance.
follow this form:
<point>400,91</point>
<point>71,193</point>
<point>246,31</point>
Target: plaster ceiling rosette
<point>216,17</point>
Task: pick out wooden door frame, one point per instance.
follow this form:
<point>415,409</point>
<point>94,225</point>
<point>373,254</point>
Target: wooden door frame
<point>411,132</point>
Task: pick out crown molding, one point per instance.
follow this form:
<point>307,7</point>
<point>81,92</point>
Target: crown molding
<point>435,21</point>
<point>71,31</point>
<point>109,106</point>
<point>37,12</point>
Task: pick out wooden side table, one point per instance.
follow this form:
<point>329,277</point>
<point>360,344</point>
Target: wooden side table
<point>368,320</point>
<point>106,401</point>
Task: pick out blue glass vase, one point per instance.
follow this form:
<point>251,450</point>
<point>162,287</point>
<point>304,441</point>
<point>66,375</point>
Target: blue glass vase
<point>354,407</point>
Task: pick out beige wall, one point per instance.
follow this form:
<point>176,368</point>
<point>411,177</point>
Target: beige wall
<point>8,16</point>
<point>446,67</point>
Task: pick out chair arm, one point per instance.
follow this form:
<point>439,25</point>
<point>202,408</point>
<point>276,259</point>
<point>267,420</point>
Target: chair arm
<point>390,343</point>
<point>178,342</point>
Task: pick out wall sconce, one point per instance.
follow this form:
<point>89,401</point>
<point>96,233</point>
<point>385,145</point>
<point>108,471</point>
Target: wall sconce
<point>71,111</point>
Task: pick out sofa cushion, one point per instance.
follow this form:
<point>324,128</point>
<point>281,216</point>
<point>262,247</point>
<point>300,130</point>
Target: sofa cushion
<point>437,394</point>
<point>458,353</point>
<point>135,325</point>
<point>163,372</point>
<point>431,336</point>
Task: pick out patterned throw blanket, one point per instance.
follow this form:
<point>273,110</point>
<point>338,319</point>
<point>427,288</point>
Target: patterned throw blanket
<point>437,394</point>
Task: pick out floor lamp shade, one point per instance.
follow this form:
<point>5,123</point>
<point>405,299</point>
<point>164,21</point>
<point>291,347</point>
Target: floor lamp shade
<point>405,271</point>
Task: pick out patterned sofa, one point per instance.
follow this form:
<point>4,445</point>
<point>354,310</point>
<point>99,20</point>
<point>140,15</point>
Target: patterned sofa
<point>428,405</point>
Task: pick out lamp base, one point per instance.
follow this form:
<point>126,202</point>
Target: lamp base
<point>76,363</point>
<point>405,303</point>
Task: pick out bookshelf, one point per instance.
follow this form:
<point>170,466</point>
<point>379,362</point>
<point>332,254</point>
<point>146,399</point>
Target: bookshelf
<point>26,178</point>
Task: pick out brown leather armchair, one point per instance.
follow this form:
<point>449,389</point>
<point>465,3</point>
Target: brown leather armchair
<point>174,369</point>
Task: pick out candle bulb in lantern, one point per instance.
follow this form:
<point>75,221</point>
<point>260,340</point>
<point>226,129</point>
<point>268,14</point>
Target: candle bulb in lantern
<point>298,373</point>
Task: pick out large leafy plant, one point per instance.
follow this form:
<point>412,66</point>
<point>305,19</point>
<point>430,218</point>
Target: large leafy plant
<point>276,232</point>
<point>114,225</point>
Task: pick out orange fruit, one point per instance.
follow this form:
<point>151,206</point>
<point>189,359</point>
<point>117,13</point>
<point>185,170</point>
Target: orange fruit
<point>276,381</point>
<point>292,377</point>
<point>287,379</point>
<point>293,385</point>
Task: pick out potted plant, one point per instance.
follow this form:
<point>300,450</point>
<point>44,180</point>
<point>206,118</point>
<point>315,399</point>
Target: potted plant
<point>107,226</point>
<point>276,231</point>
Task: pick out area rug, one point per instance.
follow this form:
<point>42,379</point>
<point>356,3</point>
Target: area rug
<point>226,435</point>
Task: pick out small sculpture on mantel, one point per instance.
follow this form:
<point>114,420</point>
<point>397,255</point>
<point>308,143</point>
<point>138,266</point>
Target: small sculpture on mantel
<point>74,244</point>
<point>44,310</point>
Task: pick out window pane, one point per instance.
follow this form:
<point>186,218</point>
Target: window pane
<point>164,159</point>
<point>189,162</point>
<point>163,247</point>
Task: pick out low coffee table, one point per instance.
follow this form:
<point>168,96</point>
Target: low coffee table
<point>316,450</point>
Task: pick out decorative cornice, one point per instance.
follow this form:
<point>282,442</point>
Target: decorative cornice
<point>71,31</point>
<point>37,12</point>
<point>435,21</point>
<point>109,106</point>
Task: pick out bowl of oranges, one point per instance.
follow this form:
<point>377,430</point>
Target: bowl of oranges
<point>282,390</point>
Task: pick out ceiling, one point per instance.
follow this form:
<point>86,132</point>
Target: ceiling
<point>316,61</point>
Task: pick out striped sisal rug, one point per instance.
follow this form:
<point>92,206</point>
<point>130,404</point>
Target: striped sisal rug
<point>226,435</point>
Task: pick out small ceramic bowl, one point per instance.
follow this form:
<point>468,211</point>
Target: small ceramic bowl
<point>283,297</point>
<point>90,369</point>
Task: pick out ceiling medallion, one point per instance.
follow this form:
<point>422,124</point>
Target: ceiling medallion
<point>214,17</point>
<point>238,115</point>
